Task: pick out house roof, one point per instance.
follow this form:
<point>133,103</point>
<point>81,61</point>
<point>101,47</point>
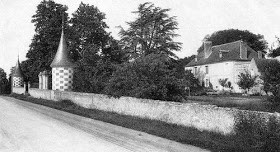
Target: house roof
<point>231,53</point>
<point>17,70</point>
<point>61,58</point>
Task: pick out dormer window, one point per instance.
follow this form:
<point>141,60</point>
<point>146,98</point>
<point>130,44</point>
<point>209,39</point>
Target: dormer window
<point>221,52</point>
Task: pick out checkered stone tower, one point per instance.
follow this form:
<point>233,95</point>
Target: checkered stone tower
<point>17,76</point>
<point>62,68</point>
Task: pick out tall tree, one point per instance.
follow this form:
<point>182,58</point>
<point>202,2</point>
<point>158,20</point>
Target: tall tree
<point>274,52</point>
<point>88,31</point>
<point>48,23</point>
<point>94,49</point>
<point>4,83</point>
<point>255,41</point>
<point>271,79</point>
<point>152,32</point>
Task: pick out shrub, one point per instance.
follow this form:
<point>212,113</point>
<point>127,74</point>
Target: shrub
<point>151,77</point>
<point>271,79</point>
<point>67,103</point>
<point>252,133</point>
<point>246,81</point>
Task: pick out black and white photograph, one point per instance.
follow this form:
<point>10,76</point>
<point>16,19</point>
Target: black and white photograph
<point>139,76</point>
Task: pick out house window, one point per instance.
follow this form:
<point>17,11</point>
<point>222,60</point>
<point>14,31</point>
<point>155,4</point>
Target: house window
<point>206,69</point>
<point>195,70</point>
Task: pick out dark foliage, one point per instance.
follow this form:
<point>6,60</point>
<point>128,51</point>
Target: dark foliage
<point>93,79</point>
<point>183,62</point>
<point>87,31</point>
<point>255,41</point>
<point>271,79</point>
<point>256,136</point>
<point>152,77</point>
<point>96,51</point>
<point>4,83</point>
<point>151,32</point>
<point>48,23</point>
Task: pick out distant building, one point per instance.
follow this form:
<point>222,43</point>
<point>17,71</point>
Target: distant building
<point>62,67</point>
<point>222,61</point>
<point>17,76</point>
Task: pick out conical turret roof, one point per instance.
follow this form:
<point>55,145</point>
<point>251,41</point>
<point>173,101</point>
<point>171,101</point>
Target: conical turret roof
<point>61,58</point>
<point>17,70</point>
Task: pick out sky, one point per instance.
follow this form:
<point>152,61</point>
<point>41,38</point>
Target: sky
<point>196,19</point>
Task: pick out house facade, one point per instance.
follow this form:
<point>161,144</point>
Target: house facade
<point>224,61</point>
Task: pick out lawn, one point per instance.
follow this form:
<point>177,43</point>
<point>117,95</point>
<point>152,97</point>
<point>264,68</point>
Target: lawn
<point>255,103</point>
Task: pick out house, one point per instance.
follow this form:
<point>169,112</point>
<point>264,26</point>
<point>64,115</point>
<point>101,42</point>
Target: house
<point>224,61</point>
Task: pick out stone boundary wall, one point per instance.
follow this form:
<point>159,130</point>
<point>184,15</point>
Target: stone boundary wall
<point>40,93</point>
<point>18,90</point>
<point>202,117</point>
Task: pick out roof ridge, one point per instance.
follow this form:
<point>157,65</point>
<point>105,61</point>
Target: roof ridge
<point>226,43</point>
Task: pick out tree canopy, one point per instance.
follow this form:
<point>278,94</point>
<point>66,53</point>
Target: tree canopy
<point>151,32</point>
<point>255,41</point>
<point>48,23</point>
<point>152,72</point>
<point>87,31</point>
<point>4,83</point>
<point>149,76</point>
<point>94,49</point>
<point>103,64</point>
<point>271,79</point>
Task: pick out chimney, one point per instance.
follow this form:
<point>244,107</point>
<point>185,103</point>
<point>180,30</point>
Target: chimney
<point>260,54</point>
<point>207,48</point>
<point>243,50</point>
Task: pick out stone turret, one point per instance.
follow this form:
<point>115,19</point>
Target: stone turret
<point>17,76</point>
<point>62,68</point>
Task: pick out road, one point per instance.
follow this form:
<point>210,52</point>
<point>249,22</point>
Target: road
<point>27,127</point>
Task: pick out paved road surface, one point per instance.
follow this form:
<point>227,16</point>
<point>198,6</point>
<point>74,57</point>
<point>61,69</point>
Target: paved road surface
<point>27,127</point>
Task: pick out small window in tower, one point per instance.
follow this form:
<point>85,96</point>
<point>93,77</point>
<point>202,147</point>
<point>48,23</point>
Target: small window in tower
<point>206,69</point>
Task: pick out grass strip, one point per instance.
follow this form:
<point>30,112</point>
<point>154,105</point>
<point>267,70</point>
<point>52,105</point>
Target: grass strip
<point>186,135</point>
<point>243,103</point>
